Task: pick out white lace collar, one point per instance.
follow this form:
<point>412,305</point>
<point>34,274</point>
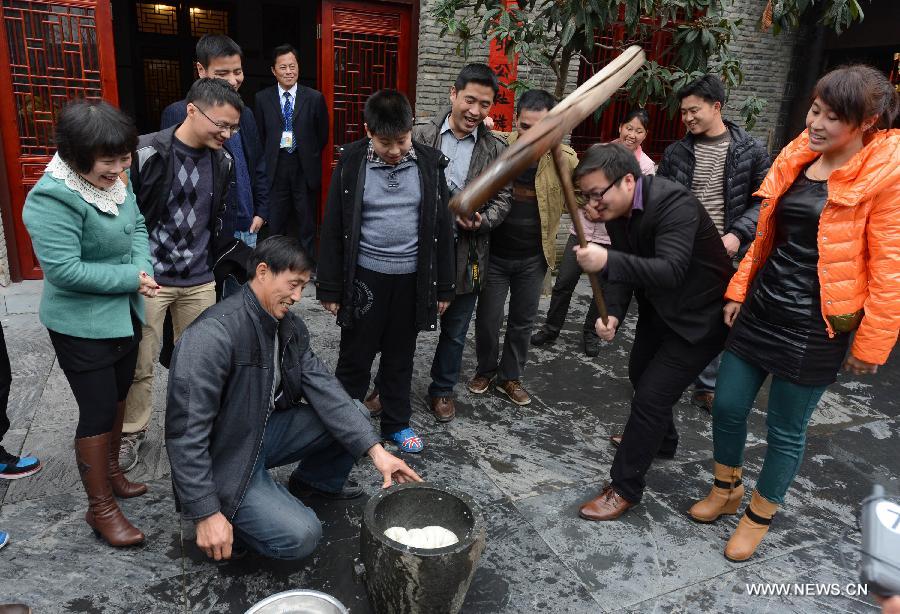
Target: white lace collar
<point>106,200</point>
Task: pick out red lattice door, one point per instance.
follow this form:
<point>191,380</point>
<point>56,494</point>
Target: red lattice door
<point>50,52</point>
<point>365,47</point>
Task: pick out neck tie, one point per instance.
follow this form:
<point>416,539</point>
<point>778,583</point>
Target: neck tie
<point>288,114</point>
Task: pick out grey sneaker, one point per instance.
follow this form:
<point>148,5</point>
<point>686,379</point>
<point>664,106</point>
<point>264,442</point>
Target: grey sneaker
<point>128,450</point>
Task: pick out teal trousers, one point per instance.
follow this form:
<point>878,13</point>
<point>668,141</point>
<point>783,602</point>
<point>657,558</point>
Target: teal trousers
<point>787,416</point>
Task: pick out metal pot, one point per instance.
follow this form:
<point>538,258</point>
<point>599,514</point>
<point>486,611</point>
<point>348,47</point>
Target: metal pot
<point>298,602</point>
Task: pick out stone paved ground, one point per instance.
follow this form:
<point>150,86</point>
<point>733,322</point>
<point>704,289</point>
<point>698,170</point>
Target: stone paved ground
<point>527,468</point>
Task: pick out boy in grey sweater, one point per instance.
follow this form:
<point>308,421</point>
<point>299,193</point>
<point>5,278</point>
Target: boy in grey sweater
<point>386,257</point>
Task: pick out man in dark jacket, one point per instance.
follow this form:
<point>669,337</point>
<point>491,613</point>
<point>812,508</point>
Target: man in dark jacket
<point>668,253</point>
<point>293,127</point>
<point>180,177</point>
<point>248,209</point>
<point>460,133</point>
<point>246,394</point>
<point>387,261</point>
<point>723,166</point>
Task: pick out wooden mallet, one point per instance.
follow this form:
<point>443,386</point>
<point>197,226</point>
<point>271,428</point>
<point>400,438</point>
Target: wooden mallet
<point>547,135</point>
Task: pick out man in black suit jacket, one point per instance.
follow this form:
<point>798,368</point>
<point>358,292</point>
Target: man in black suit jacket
<point>293,126</point>
<point>667,252</point>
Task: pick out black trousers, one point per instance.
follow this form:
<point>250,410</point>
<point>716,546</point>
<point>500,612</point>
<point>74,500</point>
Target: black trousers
<point>566,280</point>
<point>5,385</point>
<point>97,391</point>
<point>384,321</point>
<point>290,195</point>
<point>662,365</point>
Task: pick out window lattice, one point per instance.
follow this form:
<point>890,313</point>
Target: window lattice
<point>53,57</point>
<point>363,64</point>
<point>162,84</point>
<point>157,18</point>
<point>208,21</point>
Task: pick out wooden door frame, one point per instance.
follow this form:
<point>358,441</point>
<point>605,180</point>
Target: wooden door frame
<point>14,231</point>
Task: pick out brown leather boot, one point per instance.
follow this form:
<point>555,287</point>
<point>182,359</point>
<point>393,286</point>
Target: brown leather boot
<point>724,498</point>
<point>751,529</point>
<point>121,487</point>
<point>103,515</point>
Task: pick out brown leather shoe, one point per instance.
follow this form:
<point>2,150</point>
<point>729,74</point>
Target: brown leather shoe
<point>616,440</point>
<point>479,384</point>
<point>373,404</point>
<point>14,608</point>
<point>703,400</point>
<point>513,389</point>
<point>608,506</point>
<point>443,408</point>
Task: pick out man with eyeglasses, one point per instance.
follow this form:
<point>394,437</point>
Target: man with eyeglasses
<point>248,203</point>
<point>667,252</point>
<point>181,176</point>
<point>293,126</point>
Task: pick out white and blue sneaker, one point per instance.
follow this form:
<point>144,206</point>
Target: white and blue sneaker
<point>4,539</point>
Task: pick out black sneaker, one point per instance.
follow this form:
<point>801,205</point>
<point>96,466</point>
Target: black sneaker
<point>591,346</point>
<point>302,490</point>
<point>543,337</point>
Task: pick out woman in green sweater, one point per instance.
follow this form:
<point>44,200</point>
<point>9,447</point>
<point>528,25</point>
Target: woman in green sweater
<point>91,242</point>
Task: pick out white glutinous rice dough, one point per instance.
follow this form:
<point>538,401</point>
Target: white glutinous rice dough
<point>427,537</point>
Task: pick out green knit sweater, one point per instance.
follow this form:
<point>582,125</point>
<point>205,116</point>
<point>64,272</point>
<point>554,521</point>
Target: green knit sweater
<point>91,260</point>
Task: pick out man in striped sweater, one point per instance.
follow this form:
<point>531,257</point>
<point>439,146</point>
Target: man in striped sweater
<point>723,166</point>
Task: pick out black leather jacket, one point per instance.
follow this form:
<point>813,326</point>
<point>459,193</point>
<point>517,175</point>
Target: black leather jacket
<point>746,166</point>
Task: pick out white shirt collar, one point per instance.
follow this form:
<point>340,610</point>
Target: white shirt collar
<point>292,92</point>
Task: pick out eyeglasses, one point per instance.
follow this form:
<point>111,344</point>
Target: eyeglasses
<point>590,197</point>
<point>222,127</point>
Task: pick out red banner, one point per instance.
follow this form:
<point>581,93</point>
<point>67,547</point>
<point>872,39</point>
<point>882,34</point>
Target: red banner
<point>503,110</point>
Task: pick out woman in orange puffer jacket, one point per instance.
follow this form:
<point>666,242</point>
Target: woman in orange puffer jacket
<point>825,263</point>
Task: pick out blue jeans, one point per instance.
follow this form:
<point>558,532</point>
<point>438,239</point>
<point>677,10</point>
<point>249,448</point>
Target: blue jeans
<point>247,237</point>
<point>269,519</point>
<point>448,355</point>
<point>787,416</point>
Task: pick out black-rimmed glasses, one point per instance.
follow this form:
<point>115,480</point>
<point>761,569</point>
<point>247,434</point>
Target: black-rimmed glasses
<point>222,127</point>
<point>597,197</point>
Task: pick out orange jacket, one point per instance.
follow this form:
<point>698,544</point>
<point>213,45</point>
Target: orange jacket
<point>858,240</point>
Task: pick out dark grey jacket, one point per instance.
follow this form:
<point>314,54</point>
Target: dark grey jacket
<point>220,397</point>
<point>746,166</point>
<point>488,148</point>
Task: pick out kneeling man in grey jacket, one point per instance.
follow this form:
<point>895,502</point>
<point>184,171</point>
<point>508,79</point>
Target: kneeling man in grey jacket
<point>246,393</point>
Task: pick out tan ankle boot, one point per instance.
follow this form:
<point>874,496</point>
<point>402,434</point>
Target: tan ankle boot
<point>724,498</point>
<point>751,529</point>
<point>121,486</point>
<point>103,515</point>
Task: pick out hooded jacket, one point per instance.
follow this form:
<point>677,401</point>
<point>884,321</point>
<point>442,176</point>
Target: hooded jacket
<point>858,241</point>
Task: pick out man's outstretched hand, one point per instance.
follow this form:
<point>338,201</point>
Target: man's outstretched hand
<point>391,468</point>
